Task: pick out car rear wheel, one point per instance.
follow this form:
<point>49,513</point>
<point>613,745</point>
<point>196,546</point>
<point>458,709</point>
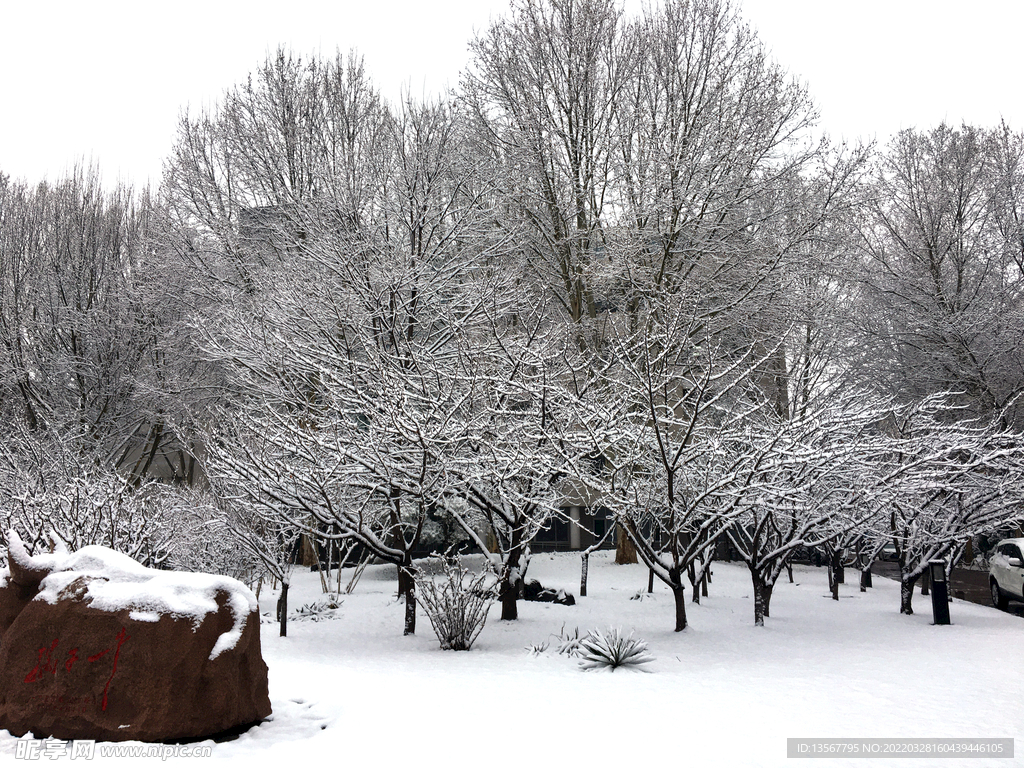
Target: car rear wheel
<point>998,598</point>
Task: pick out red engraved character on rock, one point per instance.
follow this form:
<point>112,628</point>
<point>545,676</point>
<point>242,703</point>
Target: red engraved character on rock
<point>122,636</point>
<point>46,663</point>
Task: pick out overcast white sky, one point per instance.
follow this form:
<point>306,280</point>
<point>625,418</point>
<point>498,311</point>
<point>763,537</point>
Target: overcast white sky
<point>106,79</point>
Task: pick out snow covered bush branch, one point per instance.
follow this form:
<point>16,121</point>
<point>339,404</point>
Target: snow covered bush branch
<point>457,603</point>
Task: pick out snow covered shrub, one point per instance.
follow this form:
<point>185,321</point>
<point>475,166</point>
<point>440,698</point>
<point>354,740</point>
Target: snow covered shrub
<point>456,603</point>
<point>320,610</point>
<point>86,505</point>
<point>569,644</point>
<point>203,540</point>
<point>49,487</point>
<point>612,650</point>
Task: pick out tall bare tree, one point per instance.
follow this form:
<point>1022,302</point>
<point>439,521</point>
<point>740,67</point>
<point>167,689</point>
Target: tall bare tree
<point>942,286</point>
<point>545,87</point>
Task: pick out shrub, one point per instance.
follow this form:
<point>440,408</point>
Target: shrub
<point>456,603</point>
<point>536,649</point>
<point>319,610</point>
<point>569,643</point>
<point>612,651</point>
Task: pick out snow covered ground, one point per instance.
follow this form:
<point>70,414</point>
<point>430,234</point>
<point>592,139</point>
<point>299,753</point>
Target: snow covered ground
<point>351,690</point>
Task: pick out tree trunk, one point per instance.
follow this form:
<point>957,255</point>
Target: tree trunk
<point>625,552</point>
<point>508,595</point>
<point>583,574</point>
<point>758,601</point>
<point>907,595</point>
<point>675,578</point>
<point>149,452</point>
<point>767,590</point>
<point>679,593</point>
<point>282,608</point>
<point>926,581</point>
<point>405,581</point>
<point>407,589</point>
<point>835,574</point>
<point>865,579</point>
<point>650,581</point>
<point>704,583</point>
<point>789,570</point>
<point>410,610</point>
<point>508,590</point>
<point>325,580</point>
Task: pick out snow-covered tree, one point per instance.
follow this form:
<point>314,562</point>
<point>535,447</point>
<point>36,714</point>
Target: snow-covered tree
<point>347,353</point>
<point>941,285</point>
<point>507,467</point>
<point>814,477</point>
<point>300,138</point>
<point>647,436</point>
<point>958,478</point>
<point>544,88</point>
<point>79,327</point>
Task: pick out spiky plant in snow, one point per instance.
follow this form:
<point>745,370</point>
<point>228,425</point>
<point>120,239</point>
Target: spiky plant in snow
<point>536,649</point>
<point>613,650</point>
<point>569,642</point>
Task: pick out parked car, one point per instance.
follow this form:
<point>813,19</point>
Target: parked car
<point>1006,572</point>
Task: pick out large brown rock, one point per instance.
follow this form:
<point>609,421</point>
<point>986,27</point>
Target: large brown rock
<point>103,648</point>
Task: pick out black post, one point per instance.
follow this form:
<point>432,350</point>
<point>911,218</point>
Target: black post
<point>583,573</point>
<point>939,591</point>
<point>282,608</point>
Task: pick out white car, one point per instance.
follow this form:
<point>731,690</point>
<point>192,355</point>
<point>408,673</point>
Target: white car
<point>1006,572</point>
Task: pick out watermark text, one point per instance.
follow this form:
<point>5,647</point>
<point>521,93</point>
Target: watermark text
<point>54,749</point>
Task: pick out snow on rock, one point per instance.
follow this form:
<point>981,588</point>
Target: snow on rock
<point>114,582</point>
<point>26,569</point>
<point>94,645</point>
